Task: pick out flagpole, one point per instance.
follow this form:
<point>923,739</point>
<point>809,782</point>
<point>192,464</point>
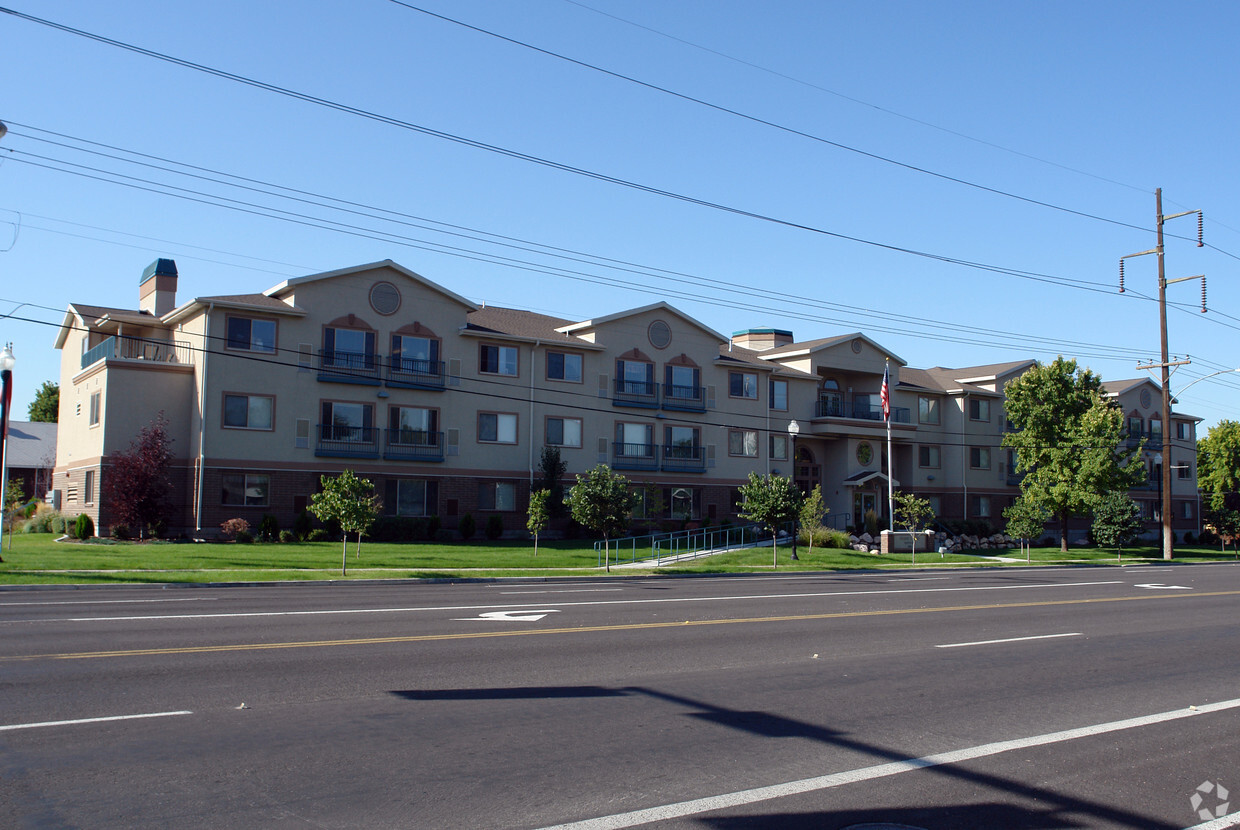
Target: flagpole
<point>886,397</point>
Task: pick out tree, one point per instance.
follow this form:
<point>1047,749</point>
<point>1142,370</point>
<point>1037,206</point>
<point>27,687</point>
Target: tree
<point>1026,520</point>
<point>911,513</point>
<point>46,404</point>
<point>601,501</point>
<point>770,501</point>
<point>351,502</point>
<point>552,470</point>
<point>1068,439</point>
<point>1218,459</point>
<point>11,508</point>
<point>1117,521</point>
<point>1222,517</point>
<point>813,508</point>
<point>538,514</point>
<point>136,481</point>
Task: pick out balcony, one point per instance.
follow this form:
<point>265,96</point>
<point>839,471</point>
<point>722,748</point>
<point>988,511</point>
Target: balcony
<point>138,348</point>
<point>349,367</point>
<point>639,393</point>
<point>414,373</point>
<point>683,459</point>
<point>684,398</point>
<point>835,408</point>
<point>341,441</point>
<point>634,457</point>
<point>413,445</point>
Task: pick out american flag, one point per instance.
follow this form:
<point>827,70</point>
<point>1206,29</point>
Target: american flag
<point>886,395</point>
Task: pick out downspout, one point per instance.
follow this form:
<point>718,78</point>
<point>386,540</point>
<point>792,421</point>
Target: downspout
<point>202,418</point>
<point>533,353</point>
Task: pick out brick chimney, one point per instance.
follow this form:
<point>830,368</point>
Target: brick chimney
<point>157,291</point>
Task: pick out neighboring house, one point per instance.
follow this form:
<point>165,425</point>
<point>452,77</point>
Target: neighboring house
<point>447,405</point>
<point>30,456</point>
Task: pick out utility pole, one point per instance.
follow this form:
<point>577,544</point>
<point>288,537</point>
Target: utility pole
<point>1168,535</point>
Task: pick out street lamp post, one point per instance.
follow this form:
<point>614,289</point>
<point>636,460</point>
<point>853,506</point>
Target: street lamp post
<point>6,398</point>
<point>794,429</point>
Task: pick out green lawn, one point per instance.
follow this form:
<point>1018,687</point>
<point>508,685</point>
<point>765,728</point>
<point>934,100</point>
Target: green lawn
<point>39,559</point>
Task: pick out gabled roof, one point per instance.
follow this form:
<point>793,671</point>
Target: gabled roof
<point>284,287</point>
<point>941,380</point>
<point>96,316</point>
<point>573,328</point>
<point>865,476</point>
<point>31,444</point>
<point>522,325</point>
<point>1113,388</point>
<point>748,357</point>
<point>990,371</point>
<point>812,346</point>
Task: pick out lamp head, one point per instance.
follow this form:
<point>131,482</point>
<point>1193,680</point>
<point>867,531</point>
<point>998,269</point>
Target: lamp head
<point>6,359</point>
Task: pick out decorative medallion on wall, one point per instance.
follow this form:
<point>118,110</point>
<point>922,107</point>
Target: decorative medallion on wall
<point>385,298</point>
<point>865,453</point>
<point>1145,398</point>
<point>660,334</point>
<point>856,345</point>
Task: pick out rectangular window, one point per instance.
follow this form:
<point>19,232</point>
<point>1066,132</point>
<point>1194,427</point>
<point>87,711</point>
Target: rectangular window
<point>96,401</point>
<point>497,360</point>
<point>1155,427</point>
<point>497,427</point>
<point>644,503</point>
<point>1181,430</point>
<point>1186,509</point>
<point>743,442</point>
<point>779,395</point>
<point>1184,470</point>
<point>248,411</point>
<point>634,440</point>
<point>683,502</point>
<point>344,421</point>
<point>415,355</point>
<point>90,487</point>
<point>743,385</point>
<point>564,366</point>
<point>635,377</point>
<point>1135,426</point>
<point>979,409</point>
<point>244,489</point>
<point>497,495</point>
<point>349,349</point>
<point>936,504</point>
<point>251,335</point>
<point>979,458</point>
<point>681,443</point>
<point>928,456</point>
<point>683,384</point>
<point>982,507</point>
<point>563,432</point>
<point>779,446</point>
<point>927,410</point>
<point>411,497</point>
<point>413,425</point>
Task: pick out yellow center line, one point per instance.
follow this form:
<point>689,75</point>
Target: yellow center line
<point>479,635</point>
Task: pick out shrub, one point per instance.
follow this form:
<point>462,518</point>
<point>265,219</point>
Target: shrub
<point>243,537</point>
<point>1188,538</point>
<point>443,535</point>
<point>59,524</point>
<point>268,528</point>
<point>825,537</point>
<point>467,526</point>
<point>84,528</point>
<point>157,529</point>
<point>234,527</point>
<point>495,527</point>
<point>397,529</point>
<point>319,534</point>
<point>303,524</point>
<point>432,528</point>
<point>287,536</point>
<point>121,531</point>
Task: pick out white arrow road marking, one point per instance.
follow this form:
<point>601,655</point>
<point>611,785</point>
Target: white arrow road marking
<point>1158,586</point>
<point>507,616</point>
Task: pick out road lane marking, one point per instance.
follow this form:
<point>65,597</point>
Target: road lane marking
<point>427,638</point>
<point>1009,640</point>
<point>509,616</point>
<point>92,720</point>
<point>569,591</point>
<point>1158,586</point>
<point>739,798</point>
<point>496,606</point>
<point>110,601</point>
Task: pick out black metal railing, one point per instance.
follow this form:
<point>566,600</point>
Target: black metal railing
<point>413,445</point>
<point>415,372</point>
<point>683,458</point>
<point>343,441</point>
<point>635,393</point>
<point>634,456</point>
<point>349,367</point>
<point>833,408</point>
<point>689,398</point>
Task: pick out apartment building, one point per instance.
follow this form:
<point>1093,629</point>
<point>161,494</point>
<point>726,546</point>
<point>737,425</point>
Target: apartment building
<point>446,405</point>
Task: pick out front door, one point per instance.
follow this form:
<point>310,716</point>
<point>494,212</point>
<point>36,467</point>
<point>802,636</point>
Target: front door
<point>863,501</point>
<point>805,472</point>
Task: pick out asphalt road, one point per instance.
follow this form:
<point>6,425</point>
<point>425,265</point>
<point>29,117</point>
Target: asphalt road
<point>1083,697</point>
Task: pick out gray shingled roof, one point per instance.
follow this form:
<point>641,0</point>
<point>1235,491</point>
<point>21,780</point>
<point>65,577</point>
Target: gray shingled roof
<point>93,313</point>
<point>939,379</point>
<point>516,323</point>
<point>31,444</point>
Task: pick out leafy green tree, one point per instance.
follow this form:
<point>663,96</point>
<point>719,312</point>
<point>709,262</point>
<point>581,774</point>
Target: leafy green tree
<point>1068,439</point>
<point>1026,520</point>
<point>813,508</point>
<point>137,486</point>
<point>1222,516</point>
<point>551,470</point>
<point>538,515</point>
<point>770,501</point>
<point>912,513</point>
<point>601,501</point>
<point>1117,521</point>
<point>1218,459</point>
<point>350,501</point>
<point>46,404</point>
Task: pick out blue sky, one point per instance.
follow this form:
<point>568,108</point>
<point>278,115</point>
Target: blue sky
<point>1084,107</point>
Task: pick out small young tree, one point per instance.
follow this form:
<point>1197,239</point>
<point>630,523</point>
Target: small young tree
<point>601,501</point>
<point>46,404</point>
<point>1026,520</point>
<point>10,508</point>
<point>770,501</point>
<point>813,508</point>
<point>1117,521</point>
<point>912,513</point>
<point>351,502</point>
<point>538,514</point>
<point>136,482</point>
<point>552,470</point>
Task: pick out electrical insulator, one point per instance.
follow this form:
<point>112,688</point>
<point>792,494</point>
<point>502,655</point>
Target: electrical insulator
<point>1199,223</point>
<point>1121,276</point>
<point>1203,295</point>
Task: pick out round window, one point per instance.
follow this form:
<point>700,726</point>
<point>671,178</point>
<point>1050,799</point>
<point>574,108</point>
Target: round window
<point>856,345</point>
<point>660,334</point>
<point>1145,399</point>
<point>384,298</point>
<point>865,453</point>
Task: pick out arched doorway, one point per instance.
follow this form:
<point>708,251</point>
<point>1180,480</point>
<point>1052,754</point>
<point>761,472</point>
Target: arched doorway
<point>806,471</point>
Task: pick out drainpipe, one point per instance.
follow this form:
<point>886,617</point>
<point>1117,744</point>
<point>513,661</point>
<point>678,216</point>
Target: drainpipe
<point>533,353</point>
<point>202,418</point>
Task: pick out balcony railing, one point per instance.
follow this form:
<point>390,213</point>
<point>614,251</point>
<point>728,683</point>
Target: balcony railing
<point>683,459</point>
<point>686,398</point>
<point>635,393</point>
<point>413,445</point>
<point>415,373</point>
<point>138,348</point>
<point>833,408</point>
<point>341,441</point>
<point>349,367</point>
<point>634,457</point>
